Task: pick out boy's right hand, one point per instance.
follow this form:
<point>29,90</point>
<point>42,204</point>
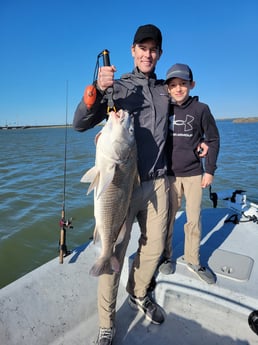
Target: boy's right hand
<point>202,149</point>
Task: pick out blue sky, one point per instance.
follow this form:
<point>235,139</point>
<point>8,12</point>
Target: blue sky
<point>45,43</point>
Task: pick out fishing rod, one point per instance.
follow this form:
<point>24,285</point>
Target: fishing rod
<point>64,224</point>
<point>90,94</point>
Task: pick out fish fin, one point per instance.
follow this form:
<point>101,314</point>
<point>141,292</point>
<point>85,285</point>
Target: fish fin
<point>92,176</point>
<point>97,180</point>
<point>96,235</point>
<point>121,234</point>
<point>115,265</point>
<point>101,266</point>
<point>97,137</point>
<point>105,179</point>
<point>105,266</point>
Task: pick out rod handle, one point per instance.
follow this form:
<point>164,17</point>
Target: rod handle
<point>106,59</point>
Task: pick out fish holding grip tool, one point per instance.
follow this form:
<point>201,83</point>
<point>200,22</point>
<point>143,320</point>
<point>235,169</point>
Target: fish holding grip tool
<point>90,92</point>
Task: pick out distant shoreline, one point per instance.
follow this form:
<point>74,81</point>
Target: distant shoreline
<point>234,120</point>
<point>246,120</point>
<point>33,127</point>
<point>240,119</point>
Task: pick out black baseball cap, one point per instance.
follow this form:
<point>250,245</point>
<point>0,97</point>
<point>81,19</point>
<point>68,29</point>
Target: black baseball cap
<point>181,71</point>
<point>148,31</point>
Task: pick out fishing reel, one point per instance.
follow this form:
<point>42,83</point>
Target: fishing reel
<point>90,92</point>
<point>234,198</point>
<point>64,225</point>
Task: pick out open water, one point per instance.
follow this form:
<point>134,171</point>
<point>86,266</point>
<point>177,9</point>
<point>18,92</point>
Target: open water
<point>33,188</point>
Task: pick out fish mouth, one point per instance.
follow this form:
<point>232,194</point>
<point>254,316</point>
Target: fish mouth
<point>120,114</point>
<point>123,117</point>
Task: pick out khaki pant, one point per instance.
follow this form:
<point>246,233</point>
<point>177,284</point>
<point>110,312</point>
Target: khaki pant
<point>149,205</point>
<point>190,188</point>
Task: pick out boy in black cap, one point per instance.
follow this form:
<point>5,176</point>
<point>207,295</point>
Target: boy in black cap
<point>190,122</point>
<point>147,101</point>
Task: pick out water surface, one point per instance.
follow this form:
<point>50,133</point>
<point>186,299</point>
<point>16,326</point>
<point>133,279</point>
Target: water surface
<point>32,188</point>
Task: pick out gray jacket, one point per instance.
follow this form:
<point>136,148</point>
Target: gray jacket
<point>148,101</point>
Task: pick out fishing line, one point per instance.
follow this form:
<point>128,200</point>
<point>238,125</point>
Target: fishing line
<point>65,146</point>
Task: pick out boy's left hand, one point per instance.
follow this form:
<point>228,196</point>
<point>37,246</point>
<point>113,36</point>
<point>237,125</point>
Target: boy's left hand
<point>207,180</point>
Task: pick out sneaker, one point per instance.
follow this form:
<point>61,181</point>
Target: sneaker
<point>167,267</point>
<point>151,309</point>
<point>105,336</point>
<point>203,273</point>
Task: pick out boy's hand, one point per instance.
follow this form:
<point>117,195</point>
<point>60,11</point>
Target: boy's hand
<point>207,180</point>
<point>202,149</point>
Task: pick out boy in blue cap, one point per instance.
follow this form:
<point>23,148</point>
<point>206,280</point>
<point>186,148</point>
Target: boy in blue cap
<point>190,122</point>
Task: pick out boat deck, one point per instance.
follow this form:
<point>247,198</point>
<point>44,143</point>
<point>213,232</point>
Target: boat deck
<point>56,304</point>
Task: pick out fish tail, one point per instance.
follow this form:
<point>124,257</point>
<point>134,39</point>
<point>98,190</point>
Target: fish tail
<point>104,265</point>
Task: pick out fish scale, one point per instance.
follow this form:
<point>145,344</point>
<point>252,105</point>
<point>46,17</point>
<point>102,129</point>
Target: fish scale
<point>112,209</point>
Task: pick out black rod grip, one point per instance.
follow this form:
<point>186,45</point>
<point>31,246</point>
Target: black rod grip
<point>106,60</point>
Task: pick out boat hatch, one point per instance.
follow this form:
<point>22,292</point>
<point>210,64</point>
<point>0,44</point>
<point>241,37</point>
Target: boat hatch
<point>202,321</point>
<point>231,265</point>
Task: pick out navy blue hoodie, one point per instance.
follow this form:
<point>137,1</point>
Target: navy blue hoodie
<point>189,124</point>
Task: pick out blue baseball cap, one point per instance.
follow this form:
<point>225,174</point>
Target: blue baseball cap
<point>181,71</point>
